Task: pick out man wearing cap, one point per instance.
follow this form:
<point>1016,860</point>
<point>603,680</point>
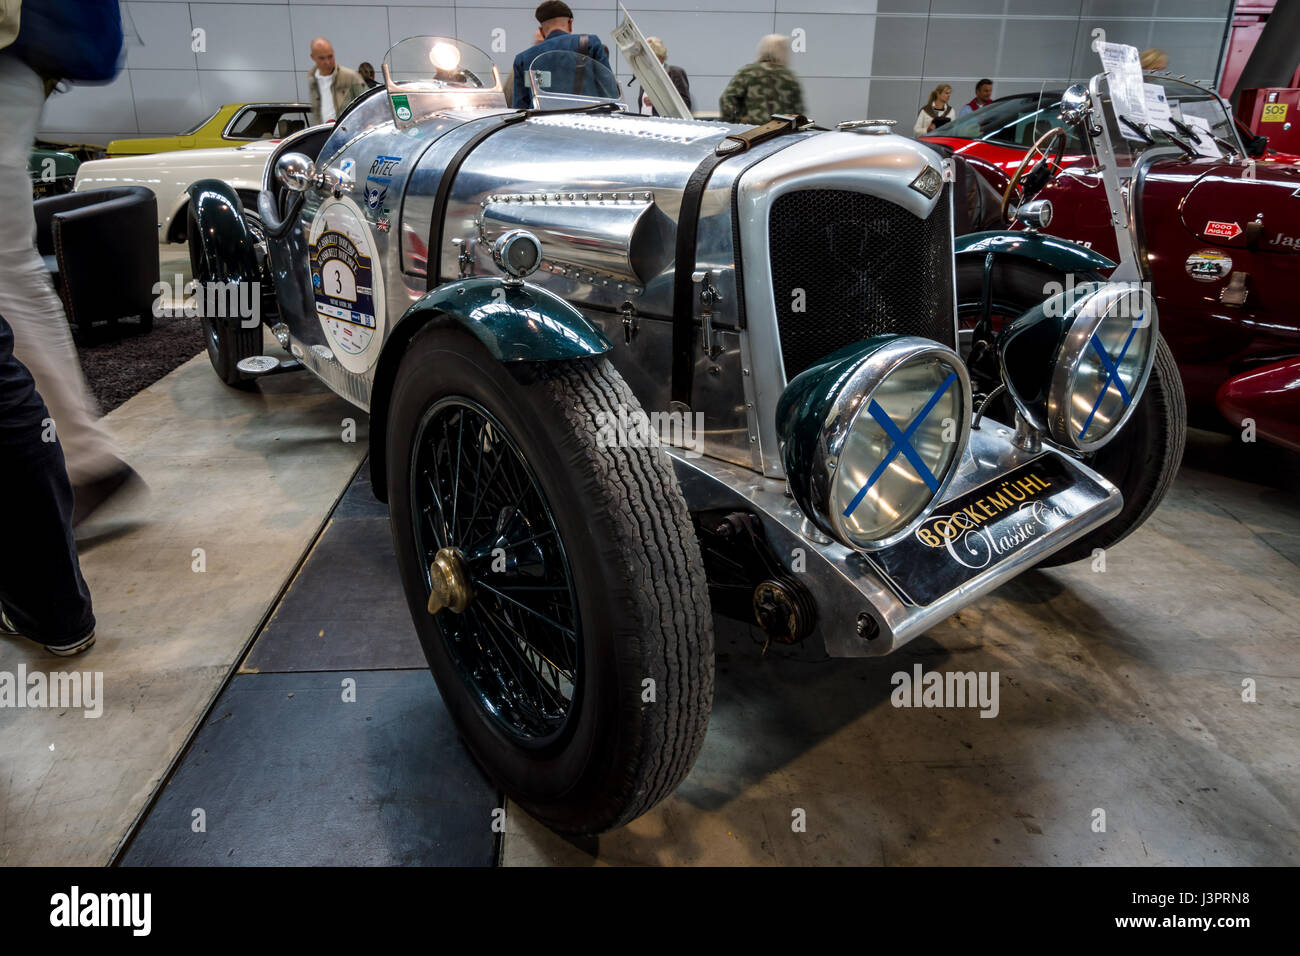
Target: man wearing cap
<point>555,21</point>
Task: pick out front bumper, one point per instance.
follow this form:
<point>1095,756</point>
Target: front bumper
<point>908,589</point>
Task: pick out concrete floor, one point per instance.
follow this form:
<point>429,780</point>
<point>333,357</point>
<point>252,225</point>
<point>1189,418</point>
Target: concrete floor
<point>246,476</point>
<point>1120,691</point>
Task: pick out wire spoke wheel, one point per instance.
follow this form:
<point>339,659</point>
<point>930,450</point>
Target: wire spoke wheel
<point>553,578</point>
<point>517,645</point>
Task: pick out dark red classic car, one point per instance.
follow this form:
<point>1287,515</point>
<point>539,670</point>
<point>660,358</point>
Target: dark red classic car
<point>1218,232</point>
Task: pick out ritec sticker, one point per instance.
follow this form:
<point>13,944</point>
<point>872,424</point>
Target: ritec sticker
<point>1222,230</point>
<point>379,179</point>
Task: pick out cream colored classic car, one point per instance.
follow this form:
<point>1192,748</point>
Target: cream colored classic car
<point>169,175</point>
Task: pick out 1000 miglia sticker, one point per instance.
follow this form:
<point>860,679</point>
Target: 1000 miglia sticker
<point>347,286</point>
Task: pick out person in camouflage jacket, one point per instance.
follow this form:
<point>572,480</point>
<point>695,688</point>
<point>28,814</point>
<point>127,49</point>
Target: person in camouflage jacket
<point>763,88</point>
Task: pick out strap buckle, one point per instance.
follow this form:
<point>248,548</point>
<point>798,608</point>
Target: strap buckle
<point>780,124</point>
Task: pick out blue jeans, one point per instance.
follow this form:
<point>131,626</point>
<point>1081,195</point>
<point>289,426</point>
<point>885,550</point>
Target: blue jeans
<point>41,586</point>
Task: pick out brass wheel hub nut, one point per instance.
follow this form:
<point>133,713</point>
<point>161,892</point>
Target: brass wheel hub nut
<point>449,582</point>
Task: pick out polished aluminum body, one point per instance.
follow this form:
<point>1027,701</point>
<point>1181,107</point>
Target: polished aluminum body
<point>603,193</point>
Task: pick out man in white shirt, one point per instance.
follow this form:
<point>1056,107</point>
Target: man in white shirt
<point>331,87</point>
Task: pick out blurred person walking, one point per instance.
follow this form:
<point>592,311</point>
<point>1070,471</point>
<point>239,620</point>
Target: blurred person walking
<point>983,97</point>
<point>43,596</point>
<point>57,39</point>
<point>675,73</point>
<point>936,112</point>
<point>367,73</point>
<point>1154,59</point>
<point>763,88</point>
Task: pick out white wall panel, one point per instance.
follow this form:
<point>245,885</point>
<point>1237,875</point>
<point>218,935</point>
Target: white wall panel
<point>406,22</point>
<point>246,86</point>
<point>167,101</point>
<point>357,33</point>
<point>710,43</point>
<point>245,36</point>
<point>824,6</point>
<point>98,112</point>
<point>836,100</point>
<point>164,32</point>
<point>833,44</point>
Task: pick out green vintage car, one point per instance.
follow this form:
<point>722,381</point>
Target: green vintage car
<point>52,172</point>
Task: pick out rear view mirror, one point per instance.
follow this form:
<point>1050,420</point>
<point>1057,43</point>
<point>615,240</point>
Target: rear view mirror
<point>1075,105</point>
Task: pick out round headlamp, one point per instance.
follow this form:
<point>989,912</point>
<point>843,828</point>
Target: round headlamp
<point>517,253</point>
<point>1077,365</point>
<point>295,171</point>
<point>871,437</point>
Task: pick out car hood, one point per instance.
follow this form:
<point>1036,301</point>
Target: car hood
<point>183,159</point>
<point>139,147</point>
<point>1236,206</point>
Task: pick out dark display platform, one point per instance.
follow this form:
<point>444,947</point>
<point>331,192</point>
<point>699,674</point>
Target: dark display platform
<point>287,771</point>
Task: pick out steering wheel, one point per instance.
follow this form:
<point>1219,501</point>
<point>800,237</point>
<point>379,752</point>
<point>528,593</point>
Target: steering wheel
<point>1023,185</point>
<point>465,78</point>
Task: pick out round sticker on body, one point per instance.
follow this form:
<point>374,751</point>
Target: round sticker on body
<point>347,284</point>
<point>1208,265</point>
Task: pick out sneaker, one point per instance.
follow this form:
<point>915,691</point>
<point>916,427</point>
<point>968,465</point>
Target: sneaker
<point>58,650</point>
<point>87,498</point>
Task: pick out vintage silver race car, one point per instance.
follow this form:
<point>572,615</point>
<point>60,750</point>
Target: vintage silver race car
<point>625,371</point>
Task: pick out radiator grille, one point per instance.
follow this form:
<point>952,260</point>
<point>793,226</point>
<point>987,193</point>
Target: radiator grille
<point>866,267</point>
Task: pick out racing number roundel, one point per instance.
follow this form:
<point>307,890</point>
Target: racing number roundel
<point>347,284</point>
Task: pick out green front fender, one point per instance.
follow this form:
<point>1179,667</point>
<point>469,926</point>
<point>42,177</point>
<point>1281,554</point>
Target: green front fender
<point>1068,257</point>
<point>516,323</point>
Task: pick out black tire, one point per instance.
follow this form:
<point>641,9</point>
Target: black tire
<point>625,547</point>
<point>227,344</point>
<point>1144,457</point>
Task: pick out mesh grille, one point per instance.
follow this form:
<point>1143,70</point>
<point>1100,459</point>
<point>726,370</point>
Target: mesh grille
<point>866,266</point>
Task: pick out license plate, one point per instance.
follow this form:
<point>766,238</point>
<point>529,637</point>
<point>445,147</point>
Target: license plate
<point>969,535</point>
